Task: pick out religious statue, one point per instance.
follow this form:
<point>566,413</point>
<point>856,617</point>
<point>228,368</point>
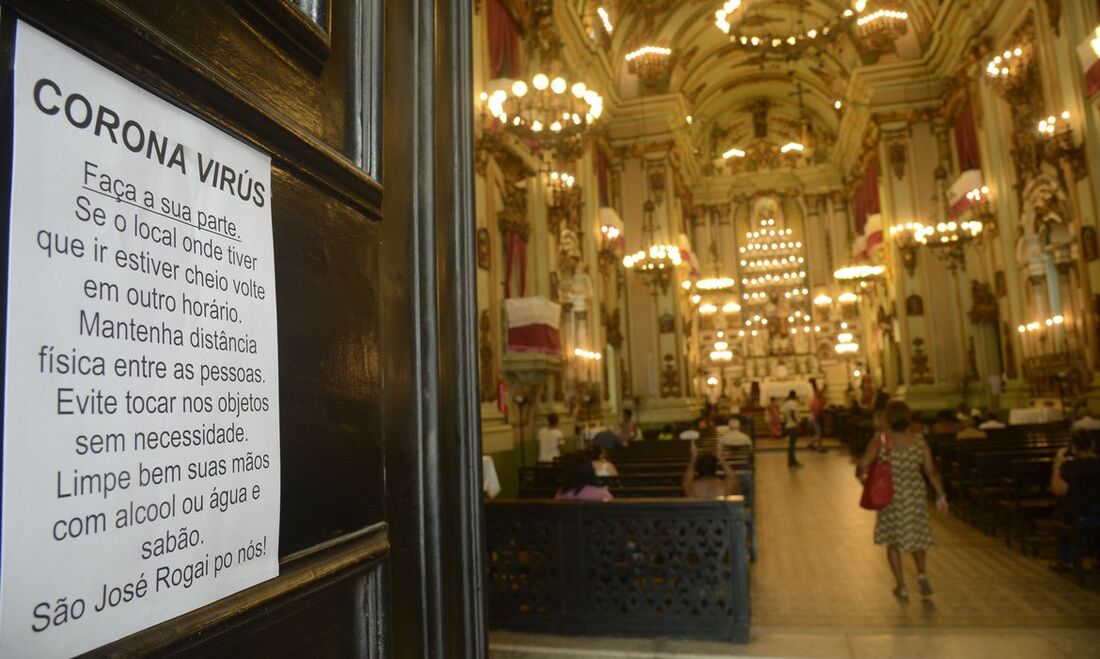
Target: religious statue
<point>569,250</point>
<point>983,304</point>
<point>1045,205</point>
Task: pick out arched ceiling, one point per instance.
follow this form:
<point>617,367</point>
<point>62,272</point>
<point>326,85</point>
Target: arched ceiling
<point>725,85</point>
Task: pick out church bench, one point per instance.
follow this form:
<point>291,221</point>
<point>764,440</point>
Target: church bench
<point>675,568</point>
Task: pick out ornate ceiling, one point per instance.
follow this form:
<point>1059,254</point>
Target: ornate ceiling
<point>748,97</point>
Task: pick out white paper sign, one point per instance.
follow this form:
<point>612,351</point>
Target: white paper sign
<point>141,425</point>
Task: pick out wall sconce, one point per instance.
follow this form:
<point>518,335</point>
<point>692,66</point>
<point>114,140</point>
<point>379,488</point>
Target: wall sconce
<point>1059,146</point>
<point>905,238</point>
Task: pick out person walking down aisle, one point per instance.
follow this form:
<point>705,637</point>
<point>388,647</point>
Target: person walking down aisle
<point>791,421</point>
<point>551,440</point>
<point>817,416</point>
<point>904,525</point>
<point>775,420</point>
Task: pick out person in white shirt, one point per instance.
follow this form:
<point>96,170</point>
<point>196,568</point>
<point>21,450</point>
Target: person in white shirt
<point>1085,420</point>
<point>729,434</point>
<point>991,422</point>
<point>550,440</point>
<point>792,417</point>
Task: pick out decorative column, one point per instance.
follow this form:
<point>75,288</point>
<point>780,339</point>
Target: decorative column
<point>655,314</point>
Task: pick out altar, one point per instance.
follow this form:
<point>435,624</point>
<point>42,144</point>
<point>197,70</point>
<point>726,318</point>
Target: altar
<point>780,389</point>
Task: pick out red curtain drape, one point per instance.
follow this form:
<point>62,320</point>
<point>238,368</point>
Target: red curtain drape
<point>601,178</point>
<point>867,201</point>
<point>515,253</point>
<point>966,139</point>
<point>503,41</point>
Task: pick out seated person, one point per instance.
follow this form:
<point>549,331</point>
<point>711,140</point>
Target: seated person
<point>992,422</point>
<point>968,431</point>
<point>1075,476</point>
<point>666,434</point>
<point>729,434</point>
<point>1083,419</point>
<point>965,413</point>
<point>582,484</point>
<point>551,439</point>
<point>600,464</point>
<point>701,479</point>
<point>701,428</point>
<point>608,440</point>
<point>946,424</point>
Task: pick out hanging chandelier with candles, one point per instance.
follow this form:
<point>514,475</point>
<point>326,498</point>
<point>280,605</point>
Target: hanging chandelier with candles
<point>881,28</point>
<point>650,63</point>
<point>544,109</point>
<point>864,274</point>
<point>729,18</point>
<point>1012,70</point>
<point>656,261</point>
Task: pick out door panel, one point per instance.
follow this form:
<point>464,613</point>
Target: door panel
<point>371,303</point>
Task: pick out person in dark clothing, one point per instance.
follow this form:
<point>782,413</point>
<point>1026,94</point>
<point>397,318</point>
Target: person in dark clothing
<point>1075,476</point>
<point>608,440</point>
<point>581,482</point>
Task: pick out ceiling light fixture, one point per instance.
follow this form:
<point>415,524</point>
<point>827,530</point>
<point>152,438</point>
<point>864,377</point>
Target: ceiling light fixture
<point>650,63</point>
<point>607,26</point>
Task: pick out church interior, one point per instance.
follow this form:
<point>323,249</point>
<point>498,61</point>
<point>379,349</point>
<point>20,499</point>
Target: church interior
<point>691,212</point>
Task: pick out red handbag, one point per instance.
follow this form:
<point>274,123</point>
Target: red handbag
<point>878,489</point>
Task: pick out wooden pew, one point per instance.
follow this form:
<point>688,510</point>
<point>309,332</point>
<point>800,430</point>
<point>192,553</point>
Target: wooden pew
<point>674,568</point>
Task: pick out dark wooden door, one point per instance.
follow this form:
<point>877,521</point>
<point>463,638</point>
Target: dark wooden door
<point>363,108</point>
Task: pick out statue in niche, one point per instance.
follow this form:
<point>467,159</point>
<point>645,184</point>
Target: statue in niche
<point>1045,205</point>
<point>569,250</point>
<point>914,305</point>
<point>983,304</point>
<point>578,292</point>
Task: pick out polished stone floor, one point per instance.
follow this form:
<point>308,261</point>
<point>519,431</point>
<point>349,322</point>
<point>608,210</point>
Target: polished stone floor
<point>821,588</point>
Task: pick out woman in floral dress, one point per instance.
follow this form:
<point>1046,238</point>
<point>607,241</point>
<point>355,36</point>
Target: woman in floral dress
<point>904,525</point>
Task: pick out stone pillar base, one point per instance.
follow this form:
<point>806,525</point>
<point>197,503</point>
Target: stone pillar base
<point>1016,394</point>
<point>930,397</point>
<point>656,412</point>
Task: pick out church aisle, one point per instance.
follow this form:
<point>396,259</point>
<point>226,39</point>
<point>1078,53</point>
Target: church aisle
<point>821,588</point>
<point>818,565</point>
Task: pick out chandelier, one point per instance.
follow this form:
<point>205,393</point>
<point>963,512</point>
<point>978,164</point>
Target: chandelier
<point>730,16</point>
<point>560,185</point>
<point>649,63</point>
<point>948,233</point>
<point>657,261</point>
<point>545,109</point>
<point>881,28</point>
<point>905,238</point>
<point>1012,69</point>
<point>859,272</point>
